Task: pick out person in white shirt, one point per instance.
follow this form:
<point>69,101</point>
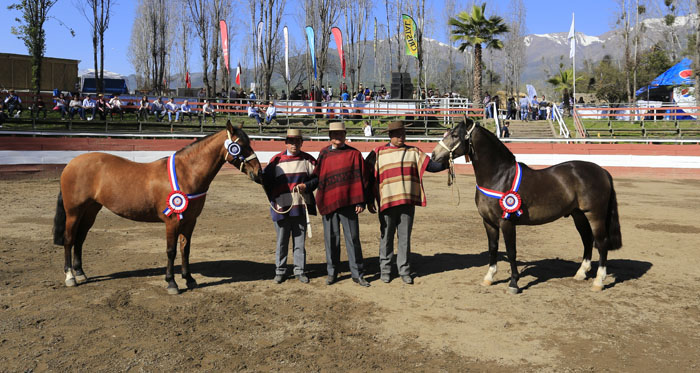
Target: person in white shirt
<point>368,129</point>
<point>253,113</point>
<point>270,113</point>
<point>185,109</point>
<point>171,108</point>
<point>76,106</point>
<point>207,110</point>
<point>115,106</point>
<point>89,105</point>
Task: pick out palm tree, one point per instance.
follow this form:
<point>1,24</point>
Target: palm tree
<point>473,30</point>
<point>563,80</point>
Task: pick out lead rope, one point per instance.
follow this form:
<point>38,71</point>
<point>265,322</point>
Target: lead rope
<point>296,194</point>
<point>451,174</point>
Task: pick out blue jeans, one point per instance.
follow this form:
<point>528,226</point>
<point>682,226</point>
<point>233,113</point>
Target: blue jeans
<point>523,113</point>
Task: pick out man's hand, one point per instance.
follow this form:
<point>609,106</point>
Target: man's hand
<point>371,208</point>
<point>359,209</point>
<point>301,187</point>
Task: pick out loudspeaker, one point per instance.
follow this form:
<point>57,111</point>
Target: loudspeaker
<point>401,86</point>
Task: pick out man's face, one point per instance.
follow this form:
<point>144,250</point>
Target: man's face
<point>293,145</point>
<point>398,137</point>
<point>337,137</point>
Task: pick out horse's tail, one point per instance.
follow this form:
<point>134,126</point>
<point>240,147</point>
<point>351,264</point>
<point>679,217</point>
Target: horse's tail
<point>613,220</point>
<point>59,221</point>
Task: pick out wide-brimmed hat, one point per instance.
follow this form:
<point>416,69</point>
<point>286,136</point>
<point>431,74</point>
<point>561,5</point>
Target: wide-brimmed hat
<point>396,125</point>
<point>336,126</point>
<point>294,133</point>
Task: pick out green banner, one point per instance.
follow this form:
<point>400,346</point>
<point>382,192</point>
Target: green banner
<point>409,34</point>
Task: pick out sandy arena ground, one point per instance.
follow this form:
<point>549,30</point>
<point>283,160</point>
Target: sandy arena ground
<point>647,318</point>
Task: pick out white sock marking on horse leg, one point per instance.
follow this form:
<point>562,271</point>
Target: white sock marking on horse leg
<point>70,279</point>
<point>598,282</point>
<point>585,267</point>
<point>488,279</point>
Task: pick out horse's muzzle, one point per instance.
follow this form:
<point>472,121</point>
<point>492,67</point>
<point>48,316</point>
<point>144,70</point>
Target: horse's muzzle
<point>256,177</point>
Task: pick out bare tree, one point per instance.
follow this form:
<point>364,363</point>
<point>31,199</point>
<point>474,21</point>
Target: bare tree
<point>623,19</point>
<point>201,22</point>
<point>322,16</point>
<point>97,13</point>
<point>151,40</point>
<point>271,12</point>
<point>448,11</point>
<point>417,8</point>
<point>356,14</point>
<point>514,46</point>
<point>182,41</point>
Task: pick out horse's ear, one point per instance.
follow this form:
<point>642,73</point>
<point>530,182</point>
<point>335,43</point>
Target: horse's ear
<point>229,127</point>
<point>240,126</point>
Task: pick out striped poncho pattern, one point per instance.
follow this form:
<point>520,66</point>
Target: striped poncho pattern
<point>281,175</point>
<point>343,179</point>
<point>398,172</point>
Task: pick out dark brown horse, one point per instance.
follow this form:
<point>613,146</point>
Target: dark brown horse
<point>510,194</point>
<point>171,190</point>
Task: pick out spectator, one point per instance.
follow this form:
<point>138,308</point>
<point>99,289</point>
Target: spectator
<point>171,108</point>
<point>252,95</point>
<point>253,113</point>
<point>12,103</point>
<point>102,108</point>
<point>89,106</point>
<point>201,94</point>
<point>510,108</point>
<point>505,130</point>
<point>115,106</point>
<point>524,108</point>
<point>3,116</point>
<point>369,131</point>
<point>534,107</point>
<point>61,105</point>
<point>158,108</point>
<point>207,110</point>
<point>270,113</point>
<point>39,105</point>
<point>487,108</point>
<point>76,106</point>
<point>144,106</point>
<point>185,109</point>
<point>283,96</point>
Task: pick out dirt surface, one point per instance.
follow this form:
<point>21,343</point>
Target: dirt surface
<point>646,319</point>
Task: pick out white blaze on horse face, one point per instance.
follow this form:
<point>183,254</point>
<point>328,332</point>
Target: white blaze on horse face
<point>585,267</point>
<point>488,279</point>
<point>598,282</point>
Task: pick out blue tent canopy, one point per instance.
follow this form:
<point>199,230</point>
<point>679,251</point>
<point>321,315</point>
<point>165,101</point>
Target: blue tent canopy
<point>680,74</point>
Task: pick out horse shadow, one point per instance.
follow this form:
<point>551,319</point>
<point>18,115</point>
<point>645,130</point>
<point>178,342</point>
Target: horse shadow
<point>544,270</point>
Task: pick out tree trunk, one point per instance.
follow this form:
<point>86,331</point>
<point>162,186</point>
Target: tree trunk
<point>477,75</point>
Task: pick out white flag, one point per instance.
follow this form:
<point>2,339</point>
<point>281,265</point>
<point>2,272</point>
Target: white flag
<point>572,38</point>
<point>286,54</point>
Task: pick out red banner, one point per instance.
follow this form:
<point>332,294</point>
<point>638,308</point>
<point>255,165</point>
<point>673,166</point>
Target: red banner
<point>224,42</point>
<point>238,74</point>
<point>339,44</point>
<point>187,79</point>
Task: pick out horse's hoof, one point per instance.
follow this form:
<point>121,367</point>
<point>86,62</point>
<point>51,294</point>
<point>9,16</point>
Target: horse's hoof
<point>596,287</point>
<point>71,283</point>
<point>487,283</point>
<point>580,277</point>
<point>81,279</point>
<point>191,284</point>
<point>173,291</point>
<point>513,290</point>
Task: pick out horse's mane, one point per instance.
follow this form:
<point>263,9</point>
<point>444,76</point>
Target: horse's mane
<point>496,143</point>
<point>239,133</point>
<point>196,143</point>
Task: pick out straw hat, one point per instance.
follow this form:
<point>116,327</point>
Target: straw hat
<point>294,133</point>
<point>336,126</point>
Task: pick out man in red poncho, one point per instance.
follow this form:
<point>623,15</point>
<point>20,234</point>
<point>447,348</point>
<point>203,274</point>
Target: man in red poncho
<point>343,191</point>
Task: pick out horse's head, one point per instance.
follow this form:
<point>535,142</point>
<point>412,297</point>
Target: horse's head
<point>240,154</point>
<point>455,143</point>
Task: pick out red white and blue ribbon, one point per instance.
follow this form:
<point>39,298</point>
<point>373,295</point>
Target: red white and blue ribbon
<point>510,201</point>
<point>177,200</point>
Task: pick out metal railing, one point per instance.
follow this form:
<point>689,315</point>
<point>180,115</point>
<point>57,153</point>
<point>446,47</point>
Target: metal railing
<point>563,130</point>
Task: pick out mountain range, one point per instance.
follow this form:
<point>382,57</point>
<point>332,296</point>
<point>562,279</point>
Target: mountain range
<point>543,55</point>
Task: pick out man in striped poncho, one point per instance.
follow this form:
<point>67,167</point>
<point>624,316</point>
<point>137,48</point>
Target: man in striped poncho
<point>398,174</point>
<point>289,182</point>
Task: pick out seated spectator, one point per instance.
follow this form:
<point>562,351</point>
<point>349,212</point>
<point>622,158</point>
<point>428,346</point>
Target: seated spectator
<point>38,106</point>
<point>76,106</point>
<point>253,113</point>
<point>185,110</point>
<point>144,108</point>
<point>270,113</point>
<point>115,106</point>
<point>505,130</point>
<point>207,110</point>
<point>61,105</point>
<point>158,108</point>
<point>12,103</point>
<point>89,106</point>
<point>102,108</point>
<point>172,108</point>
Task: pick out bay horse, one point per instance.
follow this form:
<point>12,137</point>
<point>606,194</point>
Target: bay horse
<point>171,190</point>
<point>510,194</point>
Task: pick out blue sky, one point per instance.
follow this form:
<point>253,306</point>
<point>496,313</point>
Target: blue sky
<point>593,17</point>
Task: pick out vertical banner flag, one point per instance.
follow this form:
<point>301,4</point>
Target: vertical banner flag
<point>238,74</point>
<point>312,47</point>
<point>338,36</point>
<point>531,92</point>
<point>260,31</point>
<point>409,34</point>
<point>188,83</point>
<point>572,38</point>
<point>286,54</point>
<point>224,43</point>
<point>375,37</point>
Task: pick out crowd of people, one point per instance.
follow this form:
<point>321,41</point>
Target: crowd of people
<point>387,182</point>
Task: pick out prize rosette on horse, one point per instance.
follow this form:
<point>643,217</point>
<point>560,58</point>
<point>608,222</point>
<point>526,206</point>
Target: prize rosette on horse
<point>510,203</point>
<point>177,202</point>
<point>233,148</point>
